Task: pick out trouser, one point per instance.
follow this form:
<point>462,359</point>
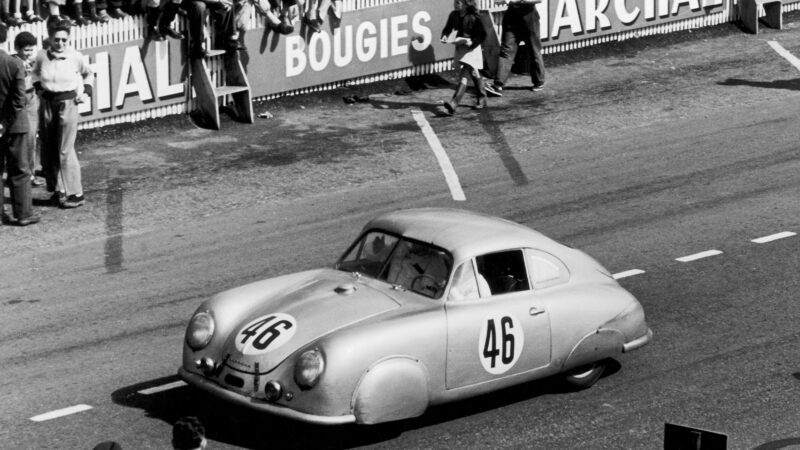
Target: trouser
<point>518,29</point>
<point>197,14</point>
<point>58,130</point>
<point>14,152</point>
<point>105,4</point>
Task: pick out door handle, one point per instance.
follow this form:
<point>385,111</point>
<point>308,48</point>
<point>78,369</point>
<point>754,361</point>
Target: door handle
<point>535,310</point>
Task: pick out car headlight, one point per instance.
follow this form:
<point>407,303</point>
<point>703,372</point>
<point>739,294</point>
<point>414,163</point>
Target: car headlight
<point>308,368</point>
<point>200,330</point>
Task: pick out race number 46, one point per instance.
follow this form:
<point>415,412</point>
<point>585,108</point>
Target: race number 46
<point>265,334</point>
<point>500,343</point>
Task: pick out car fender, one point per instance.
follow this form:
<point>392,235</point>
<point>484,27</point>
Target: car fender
<point>393,388</point>
<point>599,344</point>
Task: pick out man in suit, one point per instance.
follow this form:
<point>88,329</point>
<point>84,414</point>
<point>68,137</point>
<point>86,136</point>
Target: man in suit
<point>14,151</point>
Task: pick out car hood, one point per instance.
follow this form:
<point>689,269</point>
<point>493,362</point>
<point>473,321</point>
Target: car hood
<point>283,322</point>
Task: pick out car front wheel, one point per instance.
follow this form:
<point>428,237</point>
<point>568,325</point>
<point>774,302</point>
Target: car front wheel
<point>585,376</point>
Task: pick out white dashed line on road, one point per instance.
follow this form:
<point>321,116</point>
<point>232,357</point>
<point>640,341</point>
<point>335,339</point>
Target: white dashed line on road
<point>700,255</point>
<point>162,388</point>
<point>627,273</point>
<point>785,53</point>
<point>60,413</point>
<point>773,237</point>
<point>444,161</point>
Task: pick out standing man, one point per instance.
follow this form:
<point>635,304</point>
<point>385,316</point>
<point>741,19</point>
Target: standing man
<point>64,80</point>
<point>14,148</point>
<point>520,24</point>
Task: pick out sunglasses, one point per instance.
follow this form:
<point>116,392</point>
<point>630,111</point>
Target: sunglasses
<point>60,39</point>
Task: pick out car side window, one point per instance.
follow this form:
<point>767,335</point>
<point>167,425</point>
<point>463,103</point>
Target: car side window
<point>465,285</point>
<point>504,272</point>
<point>546,270</point>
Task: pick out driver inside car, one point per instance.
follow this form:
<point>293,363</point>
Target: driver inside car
<point>418,268</point>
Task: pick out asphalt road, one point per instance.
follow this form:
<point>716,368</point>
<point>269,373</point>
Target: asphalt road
<point>638,152</point>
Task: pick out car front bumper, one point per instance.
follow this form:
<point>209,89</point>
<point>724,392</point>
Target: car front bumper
<point>204,384</point>
<point>638,342</point>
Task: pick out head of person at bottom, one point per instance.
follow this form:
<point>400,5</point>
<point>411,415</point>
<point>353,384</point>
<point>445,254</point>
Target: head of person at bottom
<point>188,434</point>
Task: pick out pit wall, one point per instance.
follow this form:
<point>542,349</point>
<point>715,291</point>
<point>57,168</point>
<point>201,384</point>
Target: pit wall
<point>377,40</point>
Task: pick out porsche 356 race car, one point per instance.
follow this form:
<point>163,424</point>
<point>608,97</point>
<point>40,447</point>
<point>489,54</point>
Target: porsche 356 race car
<point>426,306</point>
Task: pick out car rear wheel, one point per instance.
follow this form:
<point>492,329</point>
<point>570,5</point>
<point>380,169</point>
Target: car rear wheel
<point>585,376</point>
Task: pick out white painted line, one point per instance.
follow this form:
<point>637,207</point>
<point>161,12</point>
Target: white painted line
<point>700,255</point>
<point>774,237</point>
<point>60,413</point>
<point>444,161</point>
<point>162,388</point>
<point>627,273</point>
<point>785,53</point>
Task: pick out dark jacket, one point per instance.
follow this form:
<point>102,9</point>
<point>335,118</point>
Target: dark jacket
<point>469,26</point>
<point>12,94</point>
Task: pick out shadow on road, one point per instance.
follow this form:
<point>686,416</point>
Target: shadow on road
<point>790,84</point>
<point>252,429</point>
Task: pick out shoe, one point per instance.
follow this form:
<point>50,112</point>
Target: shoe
<point>103,16</point>
<point>58,198</point>
<point>538,87</point>
<point>284,28</point>
<point>481,103</point>
<point>73,201</point>
<point>30,220</point>
<point>450,107</point>
<point>314,24</point>
<point>117,13</point>
<point>170,32</point>
<point>494,90</point>
<point>33,18</point>
<point>12,21</point>
<point>35,182</point>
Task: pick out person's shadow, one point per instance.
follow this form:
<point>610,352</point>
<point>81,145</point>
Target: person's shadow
<point>243,427</point>
<point>792,84</point>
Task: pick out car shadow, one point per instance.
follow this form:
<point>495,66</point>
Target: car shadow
<point>246,428</point>
<point>792,84</point>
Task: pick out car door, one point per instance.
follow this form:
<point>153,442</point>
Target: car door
<point>496,328</point>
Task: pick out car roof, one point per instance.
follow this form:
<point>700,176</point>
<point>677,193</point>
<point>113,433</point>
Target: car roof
<point>463,233</point>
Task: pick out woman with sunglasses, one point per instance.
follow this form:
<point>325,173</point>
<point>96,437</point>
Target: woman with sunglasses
<point>63,80</point>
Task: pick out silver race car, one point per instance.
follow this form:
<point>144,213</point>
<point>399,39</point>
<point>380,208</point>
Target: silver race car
<point>427,306</point>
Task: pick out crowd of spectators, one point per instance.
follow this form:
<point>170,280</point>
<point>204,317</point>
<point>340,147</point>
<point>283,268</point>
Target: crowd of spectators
<point>230,16</point>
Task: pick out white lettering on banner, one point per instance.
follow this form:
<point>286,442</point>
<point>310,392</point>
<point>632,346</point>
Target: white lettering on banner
<point>595,14</point>
<point>693,5</point>
<point>295,57</point>
<point>625,16</point>
<point>102,80</point>
<point>316,62</point>
<point>384,42</point>
<point>132,64</point>
<point>389,38</point>
<point>366,47</point>
<point>425,34</point>
<point>163,88</point>
<point>340,59</point>
<point>398,34</point>
<point>567,15</point>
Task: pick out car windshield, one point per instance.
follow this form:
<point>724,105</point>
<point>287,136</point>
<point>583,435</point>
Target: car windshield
<point>412,265</point>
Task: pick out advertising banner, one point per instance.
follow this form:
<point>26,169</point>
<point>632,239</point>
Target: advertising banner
<point>140,75</point>
<point>367,41</point>
<point>573,20</point>
<point>132,77</point>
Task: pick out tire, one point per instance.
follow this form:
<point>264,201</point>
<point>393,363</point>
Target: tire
<point>585,376</point>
